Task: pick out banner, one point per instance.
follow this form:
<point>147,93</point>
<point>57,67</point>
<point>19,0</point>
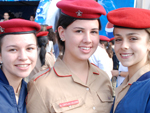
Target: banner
<point>41,12</point>
<point>107,27</point>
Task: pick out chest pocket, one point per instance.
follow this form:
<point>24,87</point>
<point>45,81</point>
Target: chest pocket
<point>67,104</point>
<point>106,101</point>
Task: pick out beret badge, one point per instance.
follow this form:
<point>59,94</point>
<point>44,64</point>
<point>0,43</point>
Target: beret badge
<point>79,13</point>
<point>1,29</point>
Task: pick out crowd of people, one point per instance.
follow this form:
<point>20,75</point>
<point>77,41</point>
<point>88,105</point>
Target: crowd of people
<point>73,69</point>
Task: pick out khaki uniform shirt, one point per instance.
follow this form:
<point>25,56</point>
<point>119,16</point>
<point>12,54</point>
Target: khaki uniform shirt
<point>49,63</point>
<point>124,87</point>
<point>60,91</point>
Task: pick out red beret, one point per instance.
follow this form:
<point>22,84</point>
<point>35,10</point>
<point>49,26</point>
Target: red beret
<point>104,38</point>
<point>42,33</point>
<point>87,9</point>
<point>49,27</point>
<point>130,17</point>
<point>112,39</point>
<point>18,26</point>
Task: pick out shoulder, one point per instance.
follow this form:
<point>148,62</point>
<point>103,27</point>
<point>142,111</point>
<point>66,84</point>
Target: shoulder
<point>100,71</point>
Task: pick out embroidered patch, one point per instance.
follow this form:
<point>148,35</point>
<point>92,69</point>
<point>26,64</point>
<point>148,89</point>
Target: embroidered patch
<point>65,104</point>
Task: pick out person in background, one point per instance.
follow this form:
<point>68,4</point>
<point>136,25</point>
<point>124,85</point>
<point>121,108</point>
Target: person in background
<point>121,73</point>
<point>104,43</point>
<point>32,17</point>
<point>132,48</point>
<point>115,59</point>
<point>45,60</point>
<point>101,58</point>
<point>18,55</point>
<point>73,85</point>
<point>5,16</point>
<point>51,37</point>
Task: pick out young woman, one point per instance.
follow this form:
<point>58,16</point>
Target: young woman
<point>132,47</point>
<point>18,55</point>
<point>73,85</point>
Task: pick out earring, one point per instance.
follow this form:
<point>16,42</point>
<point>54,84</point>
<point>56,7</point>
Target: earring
<point>62,39</point>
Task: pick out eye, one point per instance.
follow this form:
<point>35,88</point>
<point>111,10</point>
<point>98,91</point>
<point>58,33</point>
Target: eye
<point>30,48</point>
<point>133,38</point>
<point>118,39</point>
<point>12,50</point>
<point>79,31</point>
<point>95,32</point>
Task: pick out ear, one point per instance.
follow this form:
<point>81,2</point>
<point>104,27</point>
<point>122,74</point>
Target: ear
<point>0,58</point>
<point>148,48</point>
<point>61,32</point>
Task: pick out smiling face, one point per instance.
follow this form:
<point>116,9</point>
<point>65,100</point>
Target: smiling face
<point>18,54</point>
<point>131,46</point>
<point>81,39</point>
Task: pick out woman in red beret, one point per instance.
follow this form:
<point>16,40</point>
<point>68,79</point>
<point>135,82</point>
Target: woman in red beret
<point>132,47</point>
<point>18,55</point>
<point>73,85</point>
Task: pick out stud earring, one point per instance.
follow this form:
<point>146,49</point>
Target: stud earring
<point>62,39</point>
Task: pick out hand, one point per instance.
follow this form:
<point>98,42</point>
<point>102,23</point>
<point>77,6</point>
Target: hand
<point>115,73</point>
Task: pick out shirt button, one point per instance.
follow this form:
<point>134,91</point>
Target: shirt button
<point>94,108</point>
<point>70,106</point>
<point>87,89</point>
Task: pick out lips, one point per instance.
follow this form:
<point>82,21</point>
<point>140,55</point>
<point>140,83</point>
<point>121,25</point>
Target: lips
<point>126,55</point>
<point>85,48</point>
<point>23,65</point>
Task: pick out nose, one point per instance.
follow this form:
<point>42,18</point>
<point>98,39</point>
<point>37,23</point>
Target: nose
<point>125,45</point>
<point>22,55</point>
<point>87,38</point>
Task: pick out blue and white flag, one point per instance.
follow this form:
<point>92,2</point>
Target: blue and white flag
<point>107,27</point>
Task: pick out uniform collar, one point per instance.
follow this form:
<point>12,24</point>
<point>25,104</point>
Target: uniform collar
<point>139,73</point>
<point>3,78</point>
<point>134,78</point>
<point>62,70</point>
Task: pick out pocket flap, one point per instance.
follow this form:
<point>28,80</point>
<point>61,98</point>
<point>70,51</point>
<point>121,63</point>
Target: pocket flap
<point>105,97</point>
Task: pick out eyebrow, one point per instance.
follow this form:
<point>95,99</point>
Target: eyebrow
<point>129,34</point>
<point>16,46</point>
<point>83,28</point>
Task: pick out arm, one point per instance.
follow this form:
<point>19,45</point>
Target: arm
<point>116,73</point>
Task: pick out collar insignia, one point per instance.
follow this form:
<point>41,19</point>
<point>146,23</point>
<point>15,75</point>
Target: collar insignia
<point>1,29</point>
<point>79,13</point>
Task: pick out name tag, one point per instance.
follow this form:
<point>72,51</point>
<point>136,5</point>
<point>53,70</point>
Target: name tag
<point>65,104</point>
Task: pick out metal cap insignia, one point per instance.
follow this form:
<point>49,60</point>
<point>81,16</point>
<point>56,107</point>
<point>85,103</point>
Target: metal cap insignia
<point>79,13</point>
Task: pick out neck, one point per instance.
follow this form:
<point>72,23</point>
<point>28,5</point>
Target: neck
<point>13,81</point>
<point>134,68</point>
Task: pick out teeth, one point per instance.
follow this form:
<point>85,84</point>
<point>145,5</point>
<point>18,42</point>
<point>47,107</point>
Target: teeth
<point>22,65</point>
<point>126,55</point>
<point>85,48</point>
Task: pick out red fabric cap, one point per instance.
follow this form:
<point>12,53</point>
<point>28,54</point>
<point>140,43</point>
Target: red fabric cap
<point>42,33</point>
<point>112,39</point>
<point>18,26</point>
<point>49,27</point>
<point>104,38</point>
<point>130,17</point>
<point>87,9</point>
